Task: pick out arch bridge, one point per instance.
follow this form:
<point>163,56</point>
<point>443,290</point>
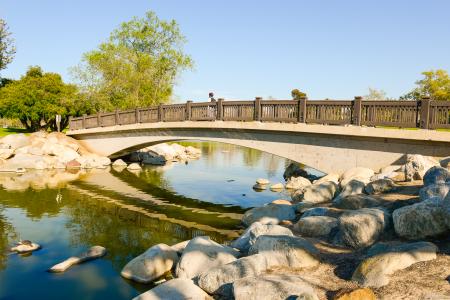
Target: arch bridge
<point>330,136</point>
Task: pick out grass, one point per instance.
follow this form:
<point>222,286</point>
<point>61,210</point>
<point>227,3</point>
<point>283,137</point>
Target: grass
<point>8,131</point>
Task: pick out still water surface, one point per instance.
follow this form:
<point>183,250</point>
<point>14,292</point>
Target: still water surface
<point>126,213</point>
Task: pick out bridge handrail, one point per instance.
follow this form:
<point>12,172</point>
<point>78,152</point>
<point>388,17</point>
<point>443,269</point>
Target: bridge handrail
<point>425,113</point>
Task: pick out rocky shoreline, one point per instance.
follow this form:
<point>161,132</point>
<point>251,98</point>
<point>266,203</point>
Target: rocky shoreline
<point>356,235</point>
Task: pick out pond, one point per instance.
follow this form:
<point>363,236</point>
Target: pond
<point>125,212</point>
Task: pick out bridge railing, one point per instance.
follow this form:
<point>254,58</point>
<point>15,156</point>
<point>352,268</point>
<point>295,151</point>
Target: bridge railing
<point>426,113</point>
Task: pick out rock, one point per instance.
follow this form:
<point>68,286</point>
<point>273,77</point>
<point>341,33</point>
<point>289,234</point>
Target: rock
<point>119,163</point>
<point>316,226</point>
<point>153,159</point>
<point>282,202</point>
<point>73,164</point>
<point>274,287</point>
<point>379,186</point>
<point>217,280</point>
<point>353,187</point>
<point>358,294</point>
<point>93,253</point>
<point>384,260</point>
<point>299,251</point>
<point>333,177</point>
<point>248,238</point>
<point>269,214</point>
<point>260,187</point>
<point>151,264</point>
<point>276,187</point>
<point>416,166</point>
<point>389,172</point>
<point>14,141</point>
<point>262,181</point>
<point>175,289</point>
<point>445,162</point>
<point>356,202</point>
<point>317,193</point>
<point>25,247</point>
<point>6,153</point>
<point>434,190</point>
<point>200,254</point>
<point>361,228</point>
<point>294,170</point>
<point>323,211</point>
<point>358,174</point>
<point>428,218</point>
<point>134,166</point>
<point>179,247</point>
<point>436,175</point>
<point>297,183</point>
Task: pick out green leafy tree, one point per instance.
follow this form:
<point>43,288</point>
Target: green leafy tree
<point>137,66</point>
<point>37,97</point>
<point>297,94</point>
<point>375,94</point>
<point>435,84</point>
<point>7,48</point>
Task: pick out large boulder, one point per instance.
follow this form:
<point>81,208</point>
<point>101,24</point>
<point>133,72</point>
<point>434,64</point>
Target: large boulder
<point>296,183</point>
<point>175,289</point>
<point>417,165</point>
<point>356,202</point>
<point>151,264</point>
<point>119,163</point>
<point>323,211</point>
<point>445,162</point>
<point>385,260</point>
<point>333,177</point>
<point>14,141</point>
<point>428,218</point>
<point>380,186</point>
<point>294,170</point>
<point>292,254</point>
<point>357,173</point>
<point>316,226</point>
<point>200,254</point>
<point>436,175</point>
<point>274,287</point>
<point>316,193</point>
<point>300,252</point>
<point>248,238</point>
<point>269,214</point>
<point>434,190</point>
<point>353,187</point>
<point>361,228</point>
<point>357,294</point>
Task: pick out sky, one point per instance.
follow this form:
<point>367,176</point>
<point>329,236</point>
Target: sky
<point>244,49</point>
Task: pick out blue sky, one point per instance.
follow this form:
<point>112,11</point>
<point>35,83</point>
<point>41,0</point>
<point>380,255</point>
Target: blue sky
<point>243,49</point>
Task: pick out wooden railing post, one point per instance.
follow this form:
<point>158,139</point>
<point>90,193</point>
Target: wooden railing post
<point>188,114</point>
<point>425,112</point>
<point>219,109</point>
<point>83,124</point>
<point>302,110</point>
<point>160,113</point>
<point>99,119</point>
<point>70,123</point>
<point>357,106</point>
<point>117,117</point>
<point>258,109</point>
<point>137,114</point>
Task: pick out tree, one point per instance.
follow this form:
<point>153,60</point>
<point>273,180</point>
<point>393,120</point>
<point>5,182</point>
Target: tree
<point>435,84</point>
<point>37,97</point>
<point>375,94</point>
<point>297,94</point>
<point>7,48</point>
<point>137,66</point>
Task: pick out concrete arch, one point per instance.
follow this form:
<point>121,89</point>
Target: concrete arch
<point>325,148</point>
